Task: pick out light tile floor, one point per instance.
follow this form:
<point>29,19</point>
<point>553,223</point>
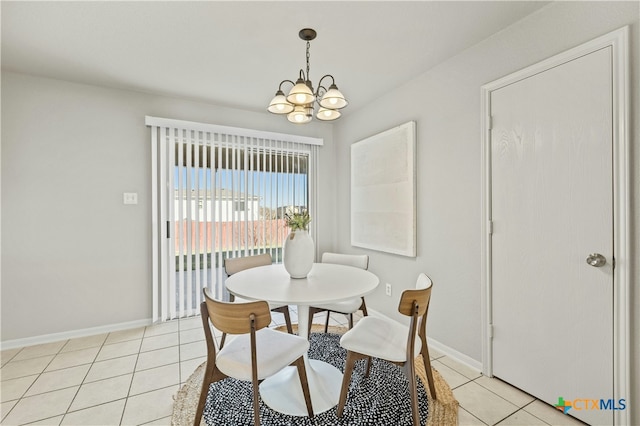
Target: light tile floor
<point>130,377</point>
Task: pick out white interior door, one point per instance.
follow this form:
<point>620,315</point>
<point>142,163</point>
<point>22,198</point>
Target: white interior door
<point>551,207</point>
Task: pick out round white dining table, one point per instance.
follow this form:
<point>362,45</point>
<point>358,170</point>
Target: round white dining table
<point>325,283</point>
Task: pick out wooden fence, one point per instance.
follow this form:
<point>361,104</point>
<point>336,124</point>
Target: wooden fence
<point>210,237</point>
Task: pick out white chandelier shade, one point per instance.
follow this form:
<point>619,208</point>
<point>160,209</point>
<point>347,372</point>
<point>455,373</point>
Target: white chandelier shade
<point>301,114</point>
<point>326,114</point>
<point>299,103</point>
<point>333,99</point>
<point>279,104</point>
<point>301,94</point>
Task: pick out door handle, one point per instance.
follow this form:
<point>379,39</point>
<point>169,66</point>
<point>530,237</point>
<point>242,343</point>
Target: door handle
<point>596,259</point>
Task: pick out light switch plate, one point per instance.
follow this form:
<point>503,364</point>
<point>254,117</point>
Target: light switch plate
<point>130,198</point>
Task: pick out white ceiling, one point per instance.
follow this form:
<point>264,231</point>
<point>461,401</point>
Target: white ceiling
<point>236,53</point>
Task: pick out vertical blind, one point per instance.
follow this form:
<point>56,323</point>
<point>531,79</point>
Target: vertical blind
<point>219,192</point>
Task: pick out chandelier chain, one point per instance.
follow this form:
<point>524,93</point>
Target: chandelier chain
<point>308,56</point>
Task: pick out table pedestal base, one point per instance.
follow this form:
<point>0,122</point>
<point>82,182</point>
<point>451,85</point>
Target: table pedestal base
<point>283,392</point>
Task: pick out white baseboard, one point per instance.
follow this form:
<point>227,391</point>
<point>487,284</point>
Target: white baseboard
<point>73,334</point>
<point>454,354</point>
<point>441,347</point>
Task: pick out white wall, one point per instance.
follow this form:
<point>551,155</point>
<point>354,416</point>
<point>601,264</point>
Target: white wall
<point>445,103</point>
<point>84,260</point>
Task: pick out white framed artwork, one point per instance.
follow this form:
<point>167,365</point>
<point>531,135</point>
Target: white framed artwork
<point>383,191</point>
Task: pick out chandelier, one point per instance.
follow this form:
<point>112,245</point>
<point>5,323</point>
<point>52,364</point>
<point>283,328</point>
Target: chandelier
<point>299,103</point>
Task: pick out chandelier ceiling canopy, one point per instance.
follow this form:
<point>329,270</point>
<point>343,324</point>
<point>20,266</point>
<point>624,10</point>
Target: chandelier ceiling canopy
<point>299,104</point>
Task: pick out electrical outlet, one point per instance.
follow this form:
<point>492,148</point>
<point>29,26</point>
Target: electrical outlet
<point>388,289</point>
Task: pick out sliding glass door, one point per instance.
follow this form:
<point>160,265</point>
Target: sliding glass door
<point>221,195</point>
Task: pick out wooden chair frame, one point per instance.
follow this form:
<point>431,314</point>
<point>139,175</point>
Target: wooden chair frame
<point>413,303</point>
<point>232,266</point>
<point>239,318</point>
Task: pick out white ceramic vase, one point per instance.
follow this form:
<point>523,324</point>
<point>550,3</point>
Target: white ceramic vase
<point>298,253</point>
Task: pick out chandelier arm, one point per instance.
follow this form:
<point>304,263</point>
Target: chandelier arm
<point>285,81</point>
<point>333,81</point>
<point>318,93</point>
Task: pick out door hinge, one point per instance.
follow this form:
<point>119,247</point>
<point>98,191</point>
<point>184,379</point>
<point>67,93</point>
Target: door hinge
<point>490,122</point>
<point>490,331</point>
<point>168,230</point>
<point>490,227</point>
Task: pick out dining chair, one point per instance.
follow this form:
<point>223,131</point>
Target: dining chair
<point>389,340</point>
<point>346,307</point>
<point>257,352</point>
<point>237,264</point>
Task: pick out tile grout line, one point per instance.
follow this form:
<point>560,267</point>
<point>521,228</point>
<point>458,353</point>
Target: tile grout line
<point>102,345</point>
<point>55,390</point>
<point>500,396</point>
<point>503,398</point>
<point>14,355</point>
<point>179,332</point>
<point>472,415</point>
<point>506,417</point>
<point>179,355</point>
<point>489,390</point>
<point>523,409</point>
<point>36,379</point>
<point>133,375</point>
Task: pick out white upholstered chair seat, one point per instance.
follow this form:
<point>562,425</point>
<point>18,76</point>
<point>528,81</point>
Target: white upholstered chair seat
<point>379,338</point>
<point>275,351</point>
<point>344,307</point>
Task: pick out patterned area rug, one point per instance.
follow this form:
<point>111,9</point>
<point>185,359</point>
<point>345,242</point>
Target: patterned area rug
<point>381,399</point>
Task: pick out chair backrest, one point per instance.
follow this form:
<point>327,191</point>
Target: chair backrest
<point>358,260</point>
<point>232,266</point>
<point>423,281</point>
<point>415,304</point>
<point>421,295</point>
<point>235,318</point>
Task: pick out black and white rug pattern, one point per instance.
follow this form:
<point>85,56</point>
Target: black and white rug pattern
<point>381,399</point>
